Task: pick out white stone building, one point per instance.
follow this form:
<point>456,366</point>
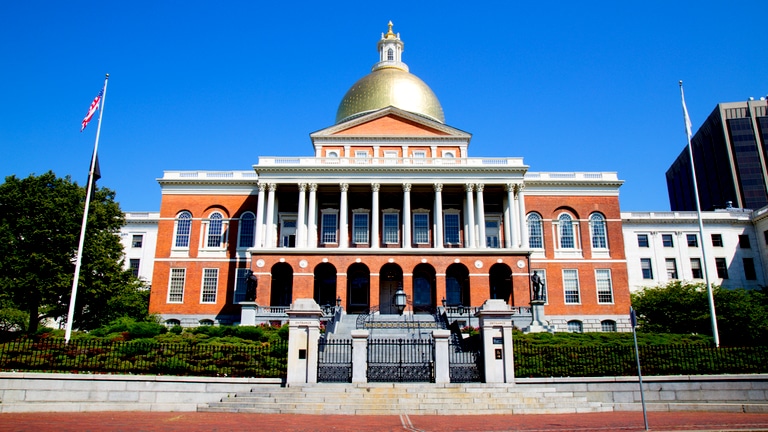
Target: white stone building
<point>139,238</point>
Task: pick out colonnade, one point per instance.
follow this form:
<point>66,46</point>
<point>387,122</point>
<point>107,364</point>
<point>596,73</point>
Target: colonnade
<point>514,222</point>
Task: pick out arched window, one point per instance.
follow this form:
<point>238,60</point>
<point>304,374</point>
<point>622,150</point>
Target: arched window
<point>183,227</point>
<point>608,325</point>
<point>247,230</point>
<point>566,232</point>
<point>206,322</point>
<point>172,323</point>
<point>597,227</point>
<point>390,55</point>
<point>535,232</point>
<point>575,326</point>
<point>215,229</point>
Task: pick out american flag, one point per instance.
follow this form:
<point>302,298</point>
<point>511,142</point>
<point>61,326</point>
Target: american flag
<point>94,106</point>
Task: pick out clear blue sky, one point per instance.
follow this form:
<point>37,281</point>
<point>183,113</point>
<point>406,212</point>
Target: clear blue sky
<point>568,86</point>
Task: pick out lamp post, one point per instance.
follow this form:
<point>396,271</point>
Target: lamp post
<point>400,300</point>
<point>338,301</point>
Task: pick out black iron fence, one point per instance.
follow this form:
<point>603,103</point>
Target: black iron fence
<point>334,360</point>
<point>465,359</point>
<point>401,360</point>
<point>693,359</point>
<point>267,360</point>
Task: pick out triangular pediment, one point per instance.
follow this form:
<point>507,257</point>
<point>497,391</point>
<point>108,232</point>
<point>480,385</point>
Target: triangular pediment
<point>391,122</point>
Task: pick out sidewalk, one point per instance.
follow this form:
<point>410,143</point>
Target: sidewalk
<point>192,421</point>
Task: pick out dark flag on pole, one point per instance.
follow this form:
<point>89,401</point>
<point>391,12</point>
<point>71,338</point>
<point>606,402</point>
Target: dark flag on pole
<point>632,317</point>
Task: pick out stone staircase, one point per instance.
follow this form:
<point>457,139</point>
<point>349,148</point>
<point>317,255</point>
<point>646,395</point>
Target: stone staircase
<point>401,398</point>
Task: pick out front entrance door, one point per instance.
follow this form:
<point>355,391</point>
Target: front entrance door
<point>387,291</point>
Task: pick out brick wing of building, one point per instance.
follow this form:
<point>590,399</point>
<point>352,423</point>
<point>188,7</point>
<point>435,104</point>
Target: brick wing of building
<point>390,199</point>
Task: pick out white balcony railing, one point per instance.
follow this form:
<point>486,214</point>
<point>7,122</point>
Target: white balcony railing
<point>387,161</point>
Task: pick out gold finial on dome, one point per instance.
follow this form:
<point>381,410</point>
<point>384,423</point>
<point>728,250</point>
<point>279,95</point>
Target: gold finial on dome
<point>390,34</point>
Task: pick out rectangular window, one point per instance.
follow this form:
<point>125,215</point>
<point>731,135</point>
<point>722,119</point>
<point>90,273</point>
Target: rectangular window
<point>749,269</point>
<point>604,286</point>
<point>361,156</point>
<point>360,228</point>
<point>176,285</point>
<point>722,268</point>
<point>666,240</point>
<point>717,240</point>
<point>693,240</point>
<point>642,240</point>
<point>645,264</point>
<point>451,227</point>
<point>744,241</point>
<point>391,228</point>
<point>134,266</point>
<point>138,240</point>
<point>571,286</point>
<point>210,285</point>
<point>421,228</point>
<point>492,234</point>
<point>671,268</point>
<point>240,285</point>
<point>696,268</point>
<point>329,228</point>
<point>390,156</point>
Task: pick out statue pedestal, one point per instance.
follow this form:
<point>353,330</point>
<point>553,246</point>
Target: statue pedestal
<point>538,324</point>
<point>248,313</point>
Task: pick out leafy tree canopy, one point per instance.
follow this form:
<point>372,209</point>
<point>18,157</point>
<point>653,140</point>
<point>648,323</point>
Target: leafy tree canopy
<point>40,221</point>
<point>682,307</point>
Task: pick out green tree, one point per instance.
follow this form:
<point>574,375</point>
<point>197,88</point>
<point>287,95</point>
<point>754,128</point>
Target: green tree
<point>40,218</point>
<point>681,307</point>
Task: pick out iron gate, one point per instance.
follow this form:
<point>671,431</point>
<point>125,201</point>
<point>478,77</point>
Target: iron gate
<point>334,360</point>
<point>401,360</point>
<point>465,359</point>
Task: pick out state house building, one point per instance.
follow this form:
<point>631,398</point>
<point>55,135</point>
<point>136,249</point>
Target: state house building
<point>390,199</point>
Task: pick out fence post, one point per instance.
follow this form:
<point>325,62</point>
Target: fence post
<point>442,366</point>
<point>496,331</point>
<point>360,356</point>
<point>303,335</point>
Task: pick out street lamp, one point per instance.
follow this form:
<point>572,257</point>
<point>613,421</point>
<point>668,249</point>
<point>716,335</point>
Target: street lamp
<point>400,299</point>
<point>338,301</point>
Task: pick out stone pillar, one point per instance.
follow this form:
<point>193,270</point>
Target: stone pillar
<point>303,335</point>
<point>496,331</point>
<point>260,216</point>
<point>521,207</point>
<point>438,234</point>
<point>360,356</point>
<point>301,228</point>
<point>312,217</point>
<point>472,243</point>
<point>481,241</point>
<point>269,241</point>
<point>442,367</point>
<point>406,216</point>
<point>248,313</point>
<point>537,323</point>
<point>510,221</point>
<point>375,216</point>
<point>343,224</point>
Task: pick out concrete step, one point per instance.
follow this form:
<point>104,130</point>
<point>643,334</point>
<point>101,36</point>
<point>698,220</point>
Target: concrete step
<point>417,399</point>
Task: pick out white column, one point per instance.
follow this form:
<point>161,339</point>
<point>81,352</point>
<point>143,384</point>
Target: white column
<point>343,224</point>
<point>510,232</point>
<point>438,234</point>
<point>481,242</point>
<point>472,243</point>
<point>521,222</point>
<point>406,215</point>
<point>375,215</point>
<point>301,234</point>
<point>260,216</point>
<point>269,241</point>
<point>312,216</point>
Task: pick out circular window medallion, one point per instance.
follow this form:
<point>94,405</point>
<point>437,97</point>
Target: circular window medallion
<point>479,264</point>
<point>520,264</point>
<point>260,263</point>
<point>303,263</point>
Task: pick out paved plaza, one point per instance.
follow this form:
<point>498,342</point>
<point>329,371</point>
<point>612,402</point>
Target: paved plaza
<point>192,421</point>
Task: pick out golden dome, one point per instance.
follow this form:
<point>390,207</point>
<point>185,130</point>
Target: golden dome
<point>390,84</point>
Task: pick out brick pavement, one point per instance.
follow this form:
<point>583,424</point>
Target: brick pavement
<point>182,421</point>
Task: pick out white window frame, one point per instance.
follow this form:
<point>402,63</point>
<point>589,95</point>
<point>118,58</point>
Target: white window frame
<point>209,286</point>
<point>133,241</point>
<point>176,281</point>
<point>558,225</point>
<point>575,326</point>
<point>650,268</point>
<point>538,225</point>
<point>452,213</point>
<point>288,217</point>
<point>598,223</point>
<point>386,239</point>
<point>571,276</point>
<point>327,237</point>
<point>673,261</point>
<point>497,231</point>
<point>424,232</point>
<point>390,156</point>
<point>182,229</point>
<point>604,286</point>
<point>364,234</point>
<point>608,326</point>
<point>362,156</point>
<point>208,225</point>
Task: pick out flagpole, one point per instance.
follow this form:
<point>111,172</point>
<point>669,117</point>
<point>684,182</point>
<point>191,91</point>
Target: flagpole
<point>710,296</point>
<point>79,258</point>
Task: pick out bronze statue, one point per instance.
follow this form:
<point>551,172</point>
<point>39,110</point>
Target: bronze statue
<point>538,286</point>
<point>251,282</point>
